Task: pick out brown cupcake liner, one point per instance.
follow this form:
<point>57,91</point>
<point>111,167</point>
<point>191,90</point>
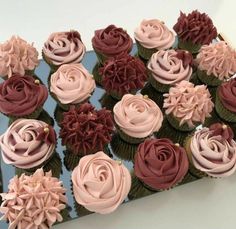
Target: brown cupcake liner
<point>189,46</point>
<point>97,77</point>
<point>143,52</point>
<point>108,101</point>
<point>210,80</point>
<point>58,114</point>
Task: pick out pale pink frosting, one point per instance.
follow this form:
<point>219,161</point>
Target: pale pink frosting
<point>187,103</point>
<point>17,56</point>
<point>217,59</point>
<point>59,49</point>
<point>72,84</point>
<point>20,147</point>
<point>154,34</point>
<point>100,183</point>
<point>33,202</point>
<point>167,68</point>
<point>213,154</point>
<point>137,115</point>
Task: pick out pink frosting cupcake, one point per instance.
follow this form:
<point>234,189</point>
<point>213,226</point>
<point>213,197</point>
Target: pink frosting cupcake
<point>100,184</point>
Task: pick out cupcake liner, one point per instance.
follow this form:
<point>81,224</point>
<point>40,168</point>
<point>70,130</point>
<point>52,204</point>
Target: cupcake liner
<point>65,215</point>
<point>188,178</point>
<point>108,101</point>
<point>101,58</point>
<point>71,160</point>
<point>51,65</point>
<point>142,59</point>
<point>189,46</point>
<point>58,114</point>
<point>210,80</point>
<point>45,117</point>
<point>81,210</point>
<point>212,91</point>
<point>144,52</point>
<point>194,79</point>
<point>163,88</point>
<point>97,77</point>
<point>122,149</point>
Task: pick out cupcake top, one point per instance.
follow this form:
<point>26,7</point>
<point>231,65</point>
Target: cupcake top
<point>21,96</point>
<point>188,103</point>
<point>195,27</point>
<point>217,59</point>
<point>154,34</point>
<point>100,183</point>
<point>112,41</point>
<point>171,66</point>
<point>64,48</point>
<point>27,143</point>
<point>137,115</point>
<point>214,150</point>
<point>160,163</point>
<point>86,130</point>
<point>33,201</point>
<point>227,94</point>
<point>123,74</point>
<point>17,56</point>
<point>72,84</point>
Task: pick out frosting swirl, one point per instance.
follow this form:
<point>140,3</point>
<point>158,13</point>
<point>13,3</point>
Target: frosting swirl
<point>17,56</point>
<point>112,41</point>
<point>213,154</point>
<point>21,147</point>
<point>154,34</point>
<point>160,163</point>
<point>137,115</point>
<point>72,84</point>
<point>100,183</point>
<point>217,59</point>
<point>167,68</point>
<point>187,103</point>
<point>64,48</point>
<point>20,96</point>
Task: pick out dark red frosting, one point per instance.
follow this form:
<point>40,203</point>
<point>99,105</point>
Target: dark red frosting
<point>47,134</point>
<point>123,74</point>
<point>227,94</point>
<point>86,130</point>
<point>185,56</point>
<point>220,129</point>
<point>160,164</point>
<point>195,27</point>
<point>21,95</point>
<point>112,41</point>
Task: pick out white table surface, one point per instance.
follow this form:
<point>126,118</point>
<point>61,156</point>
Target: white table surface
<point>205,204</point>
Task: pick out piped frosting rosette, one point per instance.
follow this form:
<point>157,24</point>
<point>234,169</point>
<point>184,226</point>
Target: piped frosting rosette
<point>100,183</point>
<point>27,143</point>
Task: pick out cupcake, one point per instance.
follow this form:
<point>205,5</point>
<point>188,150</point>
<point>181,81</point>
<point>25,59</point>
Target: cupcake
<point>71,84</point>
<point>100,184</point>
<point>123,75</point>
<point>212,151</point>
<point>168,67</point>
<point>17,57</point>
<point>22,97</point>
<point>63,48</point>
<point>35,201</point>
<point>111,42</point>
<point>151,36</point>
<point>137,117</point>
<point>28,144</point>
<point>194,30</point>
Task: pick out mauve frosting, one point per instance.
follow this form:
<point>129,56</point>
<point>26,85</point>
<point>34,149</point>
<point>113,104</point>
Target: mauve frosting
<point>72,84</point>
<point>137,115</point>
<point>24,146</point>
<point>160,163</point>
<point>154,34</point>
<point>223,130</point>
<point>187,103</point>
<point>64,48</point>
<point>17,56</point>
<point>100,183</point>
<point>227,94</point>
<point>20,96</point>
<point>169,67</point>
<point>112,41</point>
<point>33,202</point>
<point>123,74</point>
<point>213,154</point>
<point>195,27</point>
<point>217,59</point>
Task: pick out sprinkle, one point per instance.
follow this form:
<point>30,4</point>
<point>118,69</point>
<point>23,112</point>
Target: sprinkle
<point>37,81</point>
<point>119,162</point>
<point>177,144</point>
<point>46,129</point>
<point>224,127</point>
<point>145,96</point>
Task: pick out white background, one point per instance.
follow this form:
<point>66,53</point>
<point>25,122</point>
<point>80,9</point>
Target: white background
<point>205,204</point>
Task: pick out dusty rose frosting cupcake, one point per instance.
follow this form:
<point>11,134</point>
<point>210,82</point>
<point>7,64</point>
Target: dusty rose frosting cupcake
<point>33,202</point>
<point>187,106</point>
<point>63,48</point>
<point>137,117</point>
<point>28,143</point>
<point>151,36</point>
<point>71,84</point>
<point>160,164</point>
<point>100,184</point>
<point>169,67</point>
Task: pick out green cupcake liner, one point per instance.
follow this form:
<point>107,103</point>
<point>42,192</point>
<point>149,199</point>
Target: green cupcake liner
<point>213,119</point>
<point>65,215</point>
<point>97,77</point>
<point>108,101</point>
<point>210,80</point>
<point>81,210</point>
<point>163,88</point>
<point>188,179</point>
<point>212,91</point>
<point>143,52</point>
<point>189,46</point>
<point>101,58</point>
<point>71,160</point>
<point>51,65</point>
<point>58,114</point>
<point>194,79</point>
